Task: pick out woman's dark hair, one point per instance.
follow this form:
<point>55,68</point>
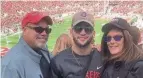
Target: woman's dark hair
<point>129,52</point>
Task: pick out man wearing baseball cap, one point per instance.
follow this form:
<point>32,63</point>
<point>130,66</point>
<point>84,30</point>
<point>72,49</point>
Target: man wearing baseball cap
<point>80,60</point>
<point>29,58</point>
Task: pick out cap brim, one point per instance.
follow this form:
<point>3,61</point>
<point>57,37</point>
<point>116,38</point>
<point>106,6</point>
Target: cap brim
<point>75,23</point>
<point>109,26</point>
<point>47,18</point>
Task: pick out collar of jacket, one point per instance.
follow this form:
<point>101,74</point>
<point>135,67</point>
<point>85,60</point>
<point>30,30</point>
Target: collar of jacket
<point>27,50</point>
<point>118,64</point>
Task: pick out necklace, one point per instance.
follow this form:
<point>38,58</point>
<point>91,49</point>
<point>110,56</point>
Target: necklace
<point>78,62</point>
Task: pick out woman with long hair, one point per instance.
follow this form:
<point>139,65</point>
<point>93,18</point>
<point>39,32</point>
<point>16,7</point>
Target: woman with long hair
<point>122,57</point>
<point>63,42</point>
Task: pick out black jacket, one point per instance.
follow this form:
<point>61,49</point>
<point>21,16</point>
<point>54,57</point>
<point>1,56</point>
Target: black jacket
<point>65,66</point>
<point>119,69</point>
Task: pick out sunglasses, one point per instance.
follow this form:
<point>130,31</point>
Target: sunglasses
<point>88,29</point>
<point>40,29</point>
<point>116,38</point>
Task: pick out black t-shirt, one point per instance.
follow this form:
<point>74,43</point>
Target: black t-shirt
<point>81,60</point>
<point>65,65</point>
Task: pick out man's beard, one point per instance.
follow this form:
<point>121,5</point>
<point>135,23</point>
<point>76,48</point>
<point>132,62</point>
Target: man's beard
<point>82,45</point>
<point>40,45</point>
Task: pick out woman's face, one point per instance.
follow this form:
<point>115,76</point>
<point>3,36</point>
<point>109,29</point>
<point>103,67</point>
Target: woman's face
<point>115,41</point>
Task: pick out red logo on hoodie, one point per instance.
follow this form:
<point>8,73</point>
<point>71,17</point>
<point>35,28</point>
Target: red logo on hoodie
<point>92,74</point>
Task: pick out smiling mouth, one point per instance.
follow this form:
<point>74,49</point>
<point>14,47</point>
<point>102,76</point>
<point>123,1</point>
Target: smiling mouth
<point>113,46</point>
<point>42,39</point>
<point>83,38</point>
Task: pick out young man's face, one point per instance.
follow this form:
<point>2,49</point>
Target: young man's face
<point>37,34</point>
<point>82,34</point>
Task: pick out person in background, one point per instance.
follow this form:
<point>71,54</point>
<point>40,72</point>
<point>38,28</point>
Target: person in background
<point>135,32</point>
<point>122,57</point>
<point>63,42</point>
<point>80,60</point>
<point>29,58</point>
<point>141,38</point>
<point>96,46</point>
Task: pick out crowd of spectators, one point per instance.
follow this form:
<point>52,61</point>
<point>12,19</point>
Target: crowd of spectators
<point>128,6</point>
<point>13,11</point>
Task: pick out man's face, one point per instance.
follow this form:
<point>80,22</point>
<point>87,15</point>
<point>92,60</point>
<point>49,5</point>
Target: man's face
<point>37,34</point>
<point>82,34</point>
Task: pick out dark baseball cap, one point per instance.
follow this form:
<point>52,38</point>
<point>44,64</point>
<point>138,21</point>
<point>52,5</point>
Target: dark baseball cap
<point>116,22</point>
<point>34,17</point>
<point>82,16</point>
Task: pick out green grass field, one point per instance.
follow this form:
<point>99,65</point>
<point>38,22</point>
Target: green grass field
<point>57,29</point>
